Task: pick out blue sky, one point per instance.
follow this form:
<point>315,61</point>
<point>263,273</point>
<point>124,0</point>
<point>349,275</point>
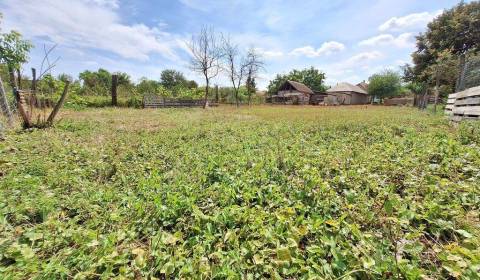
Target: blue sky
<point>348,40</point>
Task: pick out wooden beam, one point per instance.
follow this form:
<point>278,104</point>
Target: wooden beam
<point>21,109</point>
<point>114,89</point>
<point>34,79</point>
<point>58,105</point>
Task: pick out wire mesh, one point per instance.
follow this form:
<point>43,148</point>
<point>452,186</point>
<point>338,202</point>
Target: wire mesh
<point>471,76</point>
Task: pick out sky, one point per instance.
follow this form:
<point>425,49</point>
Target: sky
<point>349,40</point>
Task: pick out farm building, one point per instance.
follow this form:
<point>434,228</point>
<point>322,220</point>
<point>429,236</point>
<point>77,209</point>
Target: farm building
<point>317,98</point>
<point>292,92</point>
<point>348,94</point>
<point>363,85</point>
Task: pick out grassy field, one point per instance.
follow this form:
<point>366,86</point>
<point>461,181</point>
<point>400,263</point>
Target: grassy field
<point>262,192</point>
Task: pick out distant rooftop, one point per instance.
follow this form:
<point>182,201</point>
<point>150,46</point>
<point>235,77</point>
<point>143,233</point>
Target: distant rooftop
<point>346,87</point>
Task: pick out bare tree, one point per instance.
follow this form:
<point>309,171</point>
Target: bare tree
<point>206,56</point>
<point>235,66</point>
<point>254,65</point>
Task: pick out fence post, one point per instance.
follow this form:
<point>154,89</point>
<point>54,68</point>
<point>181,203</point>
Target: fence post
<point>21,109</point>
<point>114,89</point>
<point>34,79</point>
<point>4,104</point>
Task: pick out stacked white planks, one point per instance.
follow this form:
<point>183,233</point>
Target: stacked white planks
<point>450,104</point>
<point>466,105</point>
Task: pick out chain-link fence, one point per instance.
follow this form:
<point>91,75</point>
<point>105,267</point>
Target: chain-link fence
<point>471,73</point>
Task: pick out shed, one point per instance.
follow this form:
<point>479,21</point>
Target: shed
<point>348,94</point>
<point>292,92</point>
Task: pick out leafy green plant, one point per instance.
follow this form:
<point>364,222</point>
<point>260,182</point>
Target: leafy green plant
<point>263,192</point>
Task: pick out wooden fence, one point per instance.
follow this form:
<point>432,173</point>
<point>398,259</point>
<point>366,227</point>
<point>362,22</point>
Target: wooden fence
<point>399,101</point>
<point>464,104</point>
<point>154,101</point>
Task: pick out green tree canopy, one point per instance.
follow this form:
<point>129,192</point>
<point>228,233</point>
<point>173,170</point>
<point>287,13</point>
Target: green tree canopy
<point>457,32</point>
<point>99,82</point>
<point>171,79</point>
<point>311,77</point>
<point>146,86</point>
<point>385,84</point>
<point>14,49</point>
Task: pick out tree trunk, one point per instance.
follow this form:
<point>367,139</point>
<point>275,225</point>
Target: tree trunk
<point>205,100</point>
<point>437,84</point>
<point>249,91</point>
<point>425,100</point>
<point>4,104</point>
<point>216,94</point>
<point>19,78</point>
<point>236,98</point>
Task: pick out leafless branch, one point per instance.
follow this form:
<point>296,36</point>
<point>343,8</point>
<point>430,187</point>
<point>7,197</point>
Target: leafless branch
<point>46,59</point>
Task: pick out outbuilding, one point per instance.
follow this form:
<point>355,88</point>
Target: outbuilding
<point>291,92</point>
<point>348,94</point>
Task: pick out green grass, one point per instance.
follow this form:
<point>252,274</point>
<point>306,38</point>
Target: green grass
<point>263,192</point>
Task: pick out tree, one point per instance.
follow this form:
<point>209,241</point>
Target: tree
<point>254,65</point>
<point>235,66</point>
<point>13,52</point>
<point>456,31</point>
<point>96,83</point>
<point>192,84</point>
<point>100,82</point>
<point>311,77</point>
<point>384,84</point>
<point>171,78</point>
<point>146,86</point>
<point>206,55</point>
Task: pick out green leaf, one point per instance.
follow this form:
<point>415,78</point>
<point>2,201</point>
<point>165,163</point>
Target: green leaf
<point>463,233</point>
<point>283,254</point>
<point>388,207</point>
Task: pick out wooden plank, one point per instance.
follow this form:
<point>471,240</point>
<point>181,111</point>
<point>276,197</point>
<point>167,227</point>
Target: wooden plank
<point>59,104</point>
<point>469,92</point>
<point>469,110</point>
<point>114,89</point>
<point>468,101</point>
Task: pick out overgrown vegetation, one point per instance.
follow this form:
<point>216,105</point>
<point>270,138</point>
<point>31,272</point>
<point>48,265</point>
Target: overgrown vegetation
<point>268,192</point>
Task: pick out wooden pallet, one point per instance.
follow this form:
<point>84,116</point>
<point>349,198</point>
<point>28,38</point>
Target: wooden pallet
<point>450,104</point>
<point>466,105</point>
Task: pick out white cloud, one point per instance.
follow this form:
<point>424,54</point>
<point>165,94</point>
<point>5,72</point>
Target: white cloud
<point>405,40</point>
<point>362,59</point>
<point>88,24</point>
<point>327,48</point>
<point>412,21</point>
<point>269,54</point>
<point>107,3</point>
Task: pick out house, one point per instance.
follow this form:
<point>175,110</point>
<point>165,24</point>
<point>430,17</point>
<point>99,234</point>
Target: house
<point>317,98</point>
<point>348,94</point>
<point>363,85</point>
<point>291,92</point>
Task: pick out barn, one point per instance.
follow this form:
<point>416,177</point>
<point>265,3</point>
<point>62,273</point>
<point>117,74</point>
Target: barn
<point>348,94</point>
<point>291,92</point>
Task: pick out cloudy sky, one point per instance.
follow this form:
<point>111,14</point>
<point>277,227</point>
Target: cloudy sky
<point>347,39</point>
